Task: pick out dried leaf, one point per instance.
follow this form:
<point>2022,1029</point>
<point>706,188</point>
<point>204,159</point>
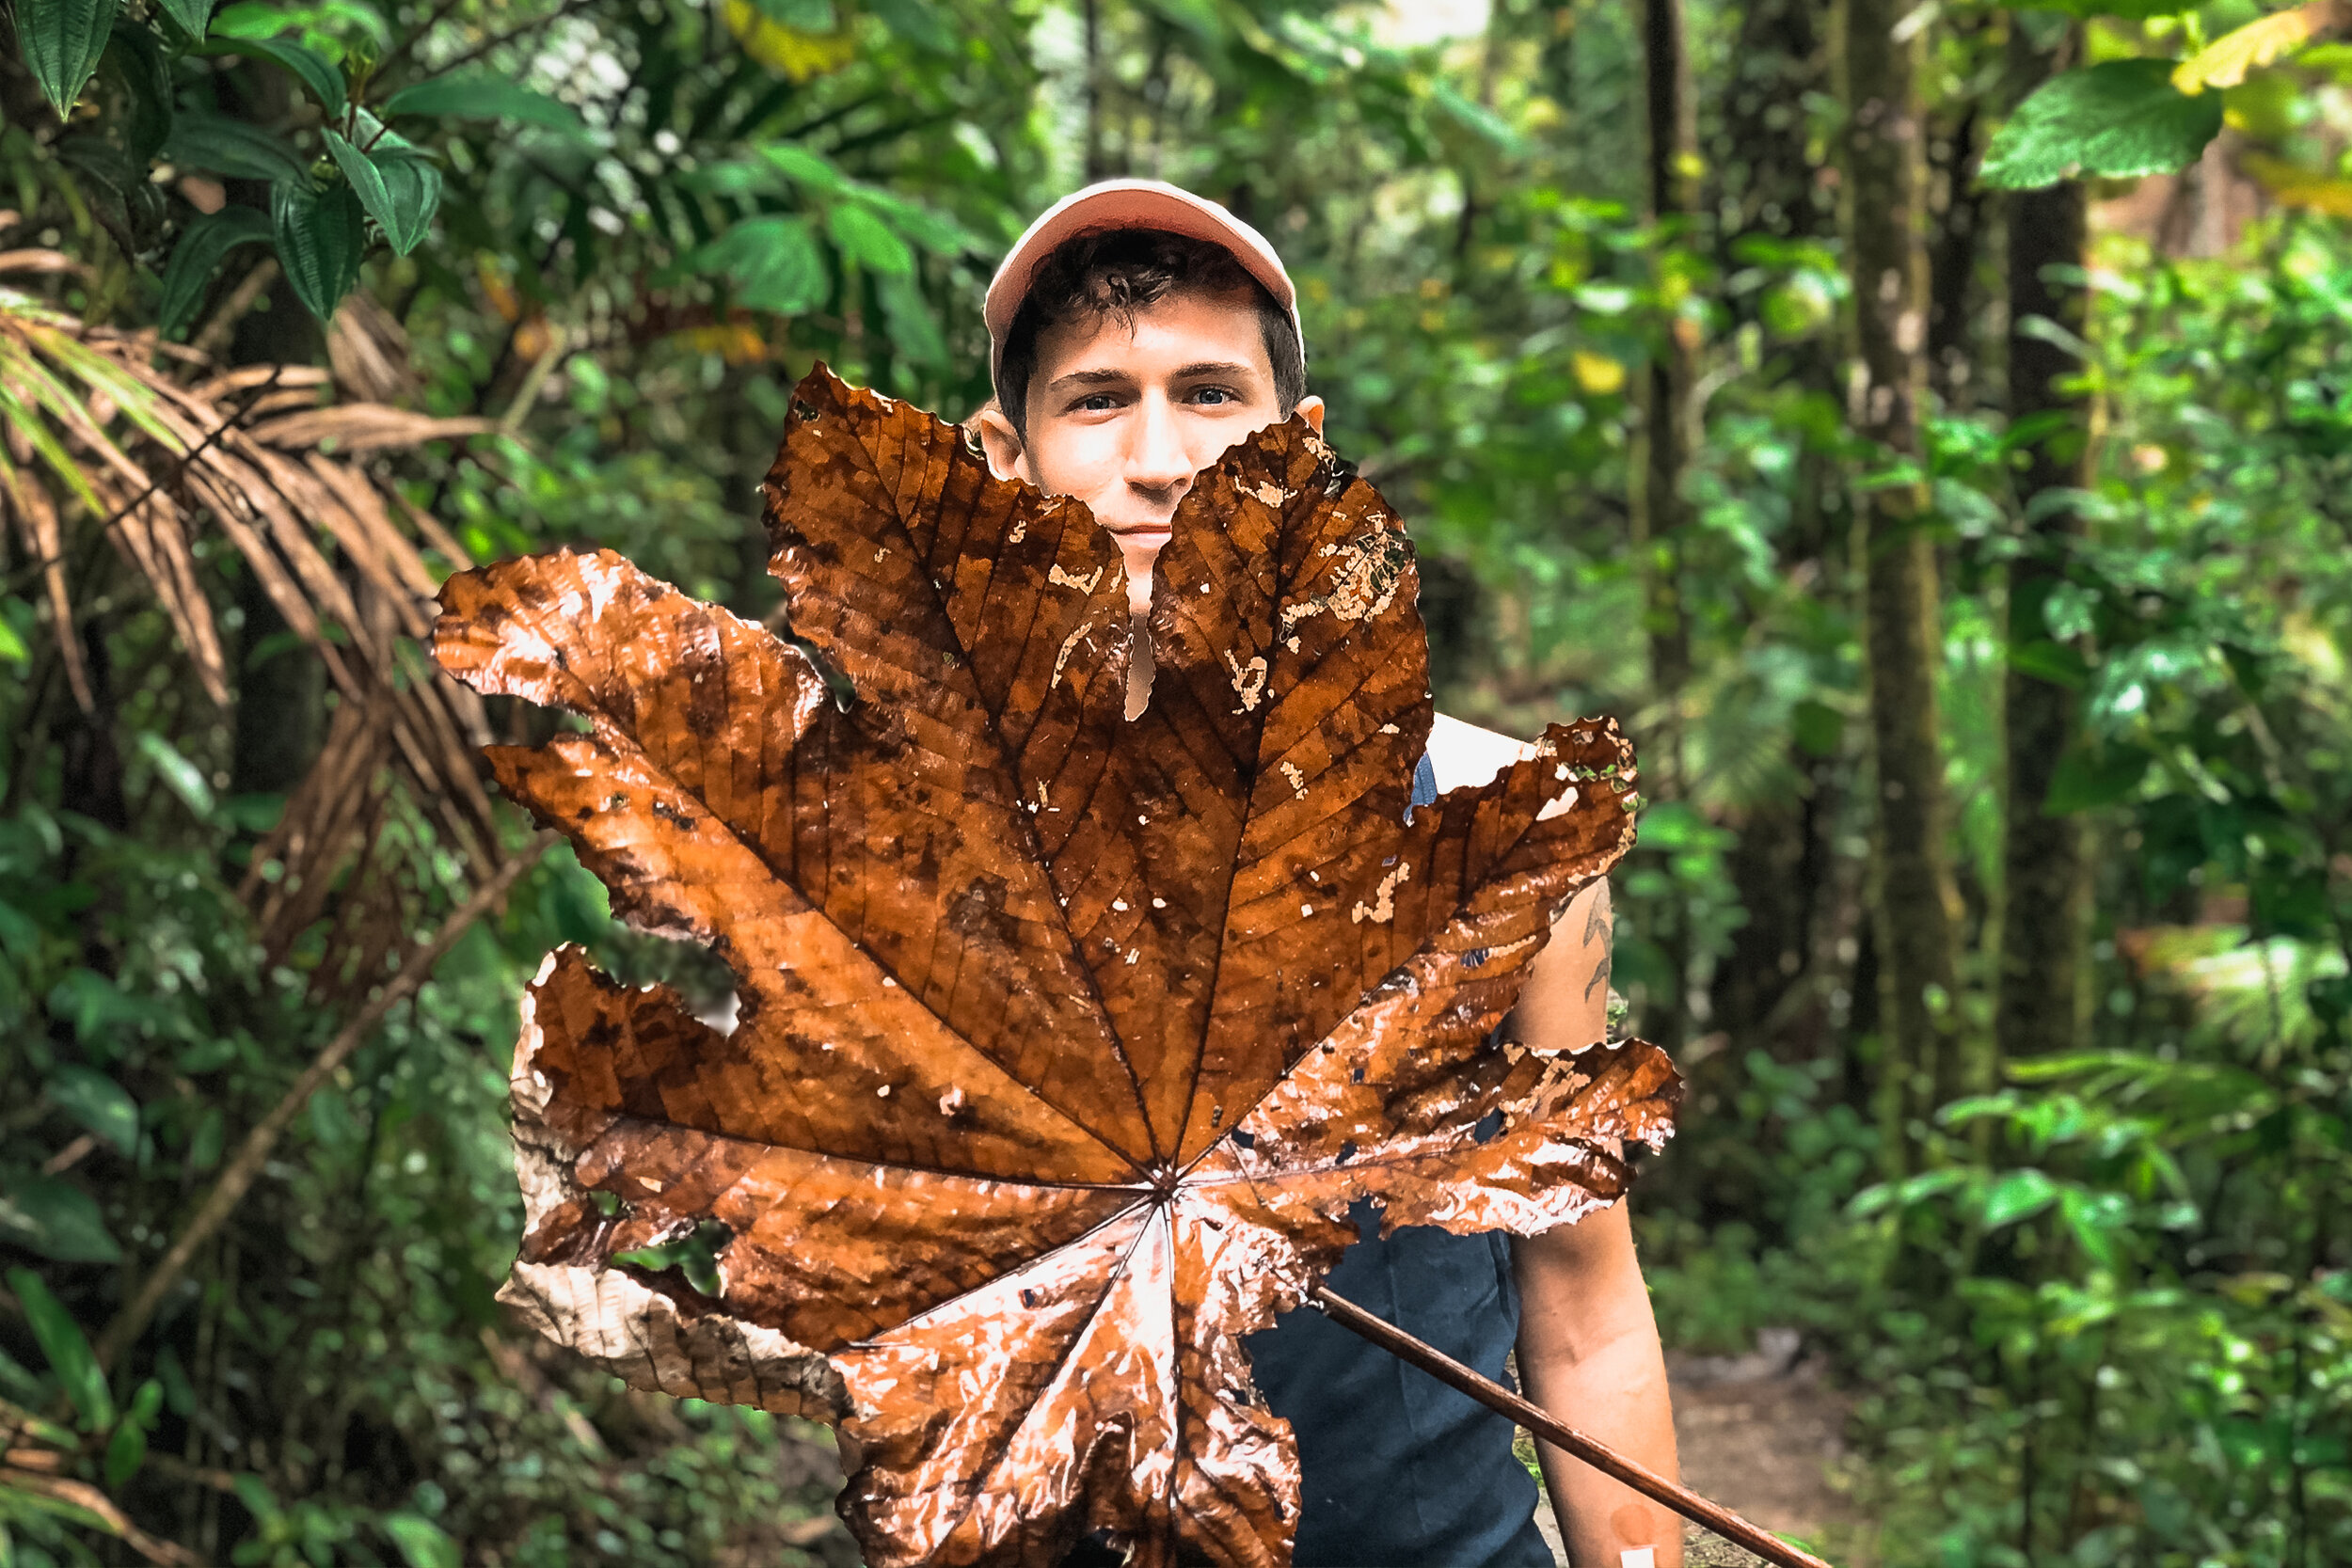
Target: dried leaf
<point>1065,1042</point>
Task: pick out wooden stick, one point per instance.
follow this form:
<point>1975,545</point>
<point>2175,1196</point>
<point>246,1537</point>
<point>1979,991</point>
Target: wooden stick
<point>1600,1455</point>
<point>253,1153</point>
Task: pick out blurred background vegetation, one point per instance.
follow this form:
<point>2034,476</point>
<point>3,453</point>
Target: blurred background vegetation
<point>1928,427</point>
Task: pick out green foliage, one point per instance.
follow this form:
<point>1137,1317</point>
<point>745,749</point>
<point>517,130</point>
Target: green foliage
<point>2116,120</point>
<point>61,40</point>
<point>2096,1312</point>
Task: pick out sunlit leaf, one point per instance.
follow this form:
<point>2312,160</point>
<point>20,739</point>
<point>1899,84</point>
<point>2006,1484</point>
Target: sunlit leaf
<point>867,241</point>
<point>2118,118</point>
<point>2019,1195</point>
<point>2225,62</point>
<point>422,1543</point>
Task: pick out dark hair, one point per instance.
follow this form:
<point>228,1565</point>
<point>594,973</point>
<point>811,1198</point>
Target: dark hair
<point>1117,272</point>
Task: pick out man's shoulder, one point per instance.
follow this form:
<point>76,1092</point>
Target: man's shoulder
<point>1464,755</point>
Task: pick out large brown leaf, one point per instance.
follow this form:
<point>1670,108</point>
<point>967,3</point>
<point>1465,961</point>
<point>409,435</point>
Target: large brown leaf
<point>1064,1041</point>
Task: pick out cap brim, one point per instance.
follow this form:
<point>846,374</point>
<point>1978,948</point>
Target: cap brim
<point>1128,204</point>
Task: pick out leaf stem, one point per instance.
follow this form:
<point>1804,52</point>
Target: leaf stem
<point>1600,1455</point>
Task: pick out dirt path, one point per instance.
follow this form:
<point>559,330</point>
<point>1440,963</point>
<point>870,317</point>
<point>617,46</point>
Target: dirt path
<point>1766,1440</point>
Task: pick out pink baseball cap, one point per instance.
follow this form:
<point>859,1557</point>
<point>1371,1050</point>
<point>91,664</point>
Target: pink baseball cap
<point>1129,205</point>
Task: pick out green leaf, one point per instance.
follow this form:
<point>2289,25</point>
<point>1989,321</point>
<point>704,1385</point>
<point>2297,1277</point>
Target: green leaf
<point>178,775</point>
<point>775,262</point>
<point>230,146</point>
<point>97,1102</point>
<point>2086,780</point>
<point>321,236</point>
<point>190,16</point>
<point>56,1219</point>
<point>321,75</point>
<point>2130,10</point>
<point>2016,1196</point>
<point>422,1543</point>
<point>62,40</point>
<point>12,646</point>
<point>866,239</point>
<point>477,95</point>
<point>914,329</point>
<point>70,1360</point>
<point>812,169</point>
<point>134,59</point>
<point>399,189</point>
<point>125,1453</point>
<point>915,20</point>
<point>2117,120</point>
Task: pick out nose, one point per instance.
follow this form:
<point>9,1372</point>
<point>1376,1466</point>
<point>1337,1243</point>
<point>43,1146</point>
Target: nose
<point>1157,464</point>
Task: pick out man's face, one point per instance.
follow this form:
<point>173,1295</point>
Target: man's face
<point>1123,413</point>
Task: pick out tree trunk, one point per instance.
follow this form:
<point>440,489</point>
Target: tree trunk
<point>2043,885</point>
<point>1658,513</point>
<point>1896,560</point>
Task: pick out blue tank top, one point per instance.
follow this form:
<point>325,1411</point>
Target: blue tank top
<point>1399,1470</point>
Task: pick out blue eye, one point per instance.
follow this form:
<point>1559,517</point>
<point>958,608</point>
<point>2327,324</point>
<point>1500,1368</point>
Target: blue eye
<point>1218,393</point>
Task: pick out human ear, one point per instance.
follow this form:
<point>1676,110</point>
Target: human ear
<point>1312,407</point>
<point>1008,458</point>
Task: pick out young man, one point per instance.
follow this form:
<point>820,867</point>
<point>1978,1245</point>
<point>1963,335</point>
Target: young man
<point>1139,332</point>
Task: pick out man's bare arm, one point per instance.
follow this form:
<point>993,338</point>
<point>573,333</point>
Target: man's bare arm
<point>1588,1346</point>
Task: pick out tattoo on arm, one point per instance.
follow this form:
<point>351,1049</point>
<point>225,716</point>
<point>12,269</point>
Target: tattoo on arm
<point>1597,923</point>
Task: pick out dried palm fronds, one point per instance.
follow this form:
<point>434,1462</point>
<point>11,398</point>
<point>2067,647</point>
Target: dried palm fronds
<point>151,448</point>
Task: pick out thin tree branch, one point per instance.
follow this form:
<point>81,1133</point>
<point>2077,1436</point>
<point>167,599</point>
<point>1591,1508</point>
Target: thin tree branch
<point>507,36</point>
<point>240,1173</point>
<point>1600,1455</point>
<point>415,38</point>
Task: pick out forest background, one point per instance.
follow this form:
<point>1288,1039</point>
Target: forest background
<point>1925,427</point>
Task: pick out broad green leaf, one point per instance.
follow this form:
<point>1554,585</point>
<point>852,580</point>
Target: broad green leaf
<point>476,95</point>
<point>321,235</point>
<point>97,1102</point>
<point>807,16</point>
<point>191,16</point>
<point>70,1360</point>
<point>866,239</point>
<point>2129,10</point>
<point>422,1543</point>
<point>918,21</point>
<point>2225,62</point>
<point>400,190</point>
<point>230,146</point>
<point>61,40</point>
<point>2018,1196</point>
<point>2117,120</point>
<point>56,1219</point>
<point>775,264</point>
<point>125,1453</point>
<point>135,59</point>
<point>2086,780</point>
<point>809,169</point>
<point>178,775</point>
<point>914,329</point>
<point>12,646</point>
<point>321,77</point>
